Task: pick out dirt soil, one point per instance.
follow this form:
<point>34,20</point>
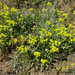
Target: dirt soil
<point>5,67</point>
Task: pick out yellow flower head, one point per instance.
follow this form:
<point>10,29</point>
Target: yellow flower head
<point>32,39</point>
<point>22,48</point>
<point>65,14</point>
<point>31,9</point>
<point>67,34</point>
<point>6,13</point>
<point>44,61</point>
<point>11,22</point>
<point>2,35</point>
<point>36,54</point>
<point>54,49</point>
<point>73,40</point>
<point>55,42</point>
<point>49,4</point>
<point>13,10</point>
<point>48,34</point>
<point>60,19</point>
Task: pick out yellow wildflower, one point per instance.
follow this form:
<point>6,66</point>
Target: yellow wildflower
<point>36,53</point>
<point>44,61</point>
<point>49,4</point>
<point>42,40</point>
<point>73,40</point>
<point>11,22</point>
<point>31,9</point>
<point>13,10</point>
<point>54,49</point>
<point>2,35</point>
<point>67,34</point>
<point>60,20</point>
<point>48,34</point>
<point>32,39</point>
<point>22,48</point>
<point>65,14</point>
<point>55,42</point>
<point>6,13</point>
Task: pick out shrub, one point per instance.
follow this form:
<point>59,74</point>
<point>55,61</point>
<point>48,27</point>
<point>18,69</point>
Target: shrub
<point>41,36</point>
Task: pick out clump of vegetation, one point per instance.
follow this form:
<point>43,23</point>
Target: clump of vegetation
<point>39,37</point>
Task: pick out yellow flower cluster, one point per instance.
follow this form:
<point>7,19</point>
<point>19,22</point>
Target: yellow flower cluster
<point>55,42</point>
<point>4,27</point>
<point>4,14</point>
<point>37,54</point>
<point>54,49</point>
<point>11,22</point>
<point>44,61</point>
<point>42,40</point>
<point>65,15</point>
<point>13,10</point>
<point>62,13</point>
<point>2,35</point>
<point>60,19</point>
<point>49,4</point>
<point>32,39</point>
<point>31,9</point>
<point>67,34</point>
<point>60,29</point>
<point>22,48</point>
<point>64,31</point>
<point>44,32</point>
<point>73,40</point>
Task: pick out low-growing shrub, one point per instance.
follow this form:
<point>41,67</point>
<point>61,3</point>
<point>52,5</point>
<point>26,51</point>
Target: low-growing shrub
<point>39,37</point>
